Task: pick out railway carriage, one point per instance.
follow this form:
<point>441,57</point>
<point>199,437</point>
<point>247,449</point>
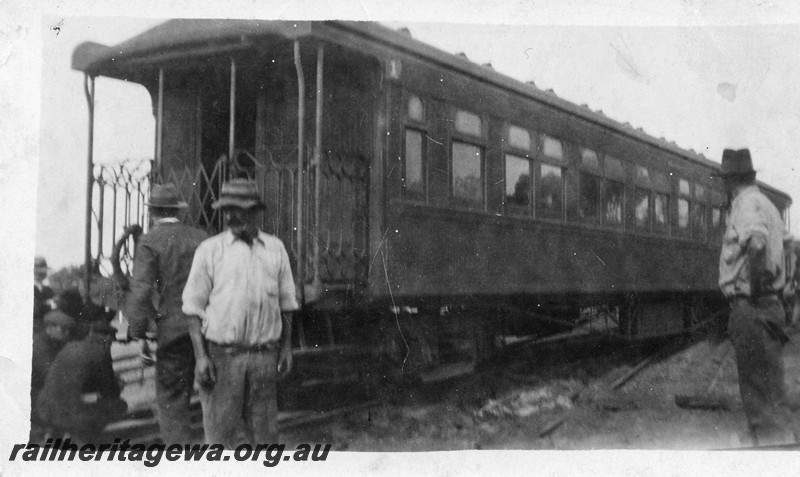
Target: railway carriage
<point>432,207</point>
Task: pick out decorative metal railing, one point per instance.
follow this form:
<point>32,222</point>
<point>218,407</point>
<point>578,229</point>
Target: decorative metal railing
<point>340,236</point>
<point>120,190</point>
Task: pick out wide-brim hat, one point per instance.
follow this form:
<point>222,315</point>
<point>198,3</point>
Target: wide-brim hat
<point>240,194</point>
<point>165,196</point>
<point>736,162</point>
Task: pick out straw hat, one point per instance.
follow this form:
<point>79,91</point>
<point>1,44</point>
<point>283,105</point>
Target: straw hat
<point>239,193</point>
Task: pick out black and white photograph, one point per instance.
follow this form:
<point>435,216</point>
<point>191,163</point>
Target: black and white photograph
<point>437,238</point>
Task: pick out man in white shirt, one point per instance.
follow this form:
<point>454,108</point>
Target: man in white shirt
<point>239,300</point>
<point>751,276</point>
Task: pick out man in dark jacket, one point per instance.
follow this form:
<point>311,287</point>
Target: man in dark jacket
<point>80,394</point>
<point>161,264</point>
<point>58,329</point>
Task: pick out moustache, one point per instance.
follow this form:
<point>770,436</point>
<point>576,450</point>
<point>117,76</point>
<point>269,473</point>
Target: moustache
<point>235,222</point>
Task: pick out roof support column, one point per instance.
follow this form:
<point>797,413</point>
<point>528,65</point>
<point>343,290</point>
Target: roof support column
<point>88,88</point>
<point>232,119</point>
<point>159,122</point>
<point>301,119</point>
<point>316,285</point>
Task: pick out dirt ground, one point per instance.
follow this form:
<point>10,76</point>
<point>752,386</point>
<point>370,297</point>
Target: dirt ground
<point>510,405</point>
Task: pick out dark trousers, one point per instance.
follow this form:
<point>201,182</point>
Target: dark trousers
<point>174,381</point>
<point>84,423</point>
<point>242,406</point>
<point>758,339</point>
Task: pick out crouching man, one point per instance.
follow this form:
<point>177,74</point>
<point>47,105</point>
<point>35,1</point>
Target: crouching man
<point>80,395</point>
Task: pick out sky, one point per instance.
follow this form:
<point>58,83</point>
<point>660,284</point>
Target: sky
<point>704,87</point>
<point>706,74</point>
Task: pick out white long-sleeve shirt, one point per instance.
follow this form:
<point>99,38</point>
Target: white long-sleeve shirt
<point>239,290</point>
<point>751,213</point>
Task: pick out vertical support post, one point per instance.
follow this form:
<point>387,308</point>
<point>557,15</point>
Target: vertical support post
<point>316,284</point>
<point>301,119</point>
<point>101,210</point>
<point>232,119</point>
<point>159,121</point>
<point>88,88</point>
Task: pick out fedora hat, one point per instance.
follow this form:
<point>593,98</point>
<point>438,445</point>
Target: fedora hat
<point>40,262</point>
<point>239,193</point>
<point>165,196</point>
<point>736,162</point>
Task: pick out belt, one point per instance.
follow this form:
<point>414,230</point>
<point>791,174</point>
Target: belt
<point>243,348</point>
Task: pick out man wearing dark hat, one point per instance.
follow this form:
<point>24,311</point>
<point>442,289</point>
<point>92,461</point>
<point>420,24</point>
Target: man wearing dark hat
<point>59,328</point>
<point>752,275</point>
<point>239,297</point>
<point>161,265</point>
<point>80,395</point>
<point>42,294</point>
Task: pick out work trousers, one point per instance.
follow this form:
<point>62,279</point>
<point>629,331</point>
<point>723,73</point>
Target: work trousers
<point>174,382</point>
<point>758,339</point>
<point>242,405</point>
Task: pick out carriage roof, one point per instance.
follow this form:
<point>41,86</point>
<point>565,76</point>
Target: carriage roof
<point>188,37</point>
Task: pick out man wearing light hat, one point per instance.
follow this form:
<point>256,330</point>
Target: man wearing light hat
<point>161,265</point>
<point>42,294</point>
<point>239,297</point>
<point>752,275</point>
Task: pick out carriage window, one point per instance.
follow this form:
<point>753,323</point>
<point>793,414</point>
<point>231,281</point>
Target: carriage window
<point>467,172</point>
<point>468,123</point>
<point>612,203</point>
<point>415,109</point>
<point>642,175</point>
<point>589,159</point>
<point>683,215</point>
<point>413,172</point>
<point>717,225</point>
<point>589,197</point>
<point>660,181</point>
<point>683,187</point>
<point>614,168</point>
<point>551,192</point>
<point>518,183</point>
<point>519,138</point>
<point>552,148</point>
<point>698,215</point>
<point>641,200</point>
<point>699,191</point>
<point>716,218</point>
<point>661,213</point>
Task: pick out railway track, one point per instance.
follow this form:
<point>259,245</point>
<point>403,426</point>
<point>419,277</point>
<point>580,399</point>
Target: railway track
<point>582,356</point>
